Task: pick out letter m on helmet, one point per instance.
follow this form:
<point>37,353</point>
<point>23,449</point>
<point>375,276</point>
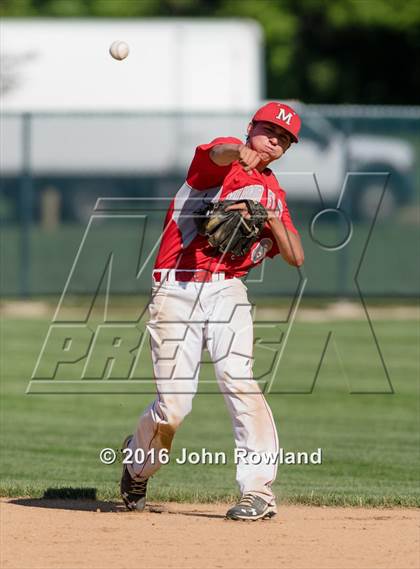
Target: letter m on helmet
<point>283,117</point>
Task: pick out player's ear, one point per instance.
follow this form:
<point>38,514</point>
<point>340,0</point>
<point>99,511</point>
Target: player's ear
<point>248,131</point>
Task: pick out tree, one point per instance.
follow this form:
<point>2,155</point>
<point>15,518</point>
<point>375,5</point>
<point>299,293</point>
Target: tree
<point>331,52</point>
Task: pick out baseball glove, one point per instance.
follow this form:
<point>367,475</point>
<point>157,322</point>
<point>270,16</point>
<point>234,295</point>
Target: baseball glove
<point>229,231</point>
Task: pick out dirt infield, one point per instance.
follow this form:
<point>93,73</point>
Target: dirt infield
<point>46,534</point>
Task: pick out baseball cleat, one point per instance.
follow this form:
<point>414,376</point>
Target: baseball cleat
<point>251,507</point>
<point>133,490</point>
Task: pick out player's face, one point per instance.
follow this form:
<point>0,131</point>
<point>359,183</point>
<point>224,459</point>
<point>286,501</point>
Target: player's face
<point>269,140</point>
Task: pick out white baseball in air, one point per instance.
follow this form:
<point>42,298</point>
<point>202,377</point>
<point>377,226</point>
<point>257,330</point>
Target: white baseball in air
<point>119,49</point>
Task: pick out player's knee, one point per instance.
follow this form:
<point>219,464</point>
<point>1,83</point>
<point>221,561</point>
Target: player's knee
<point>234,368</point>
<point>176,408</point>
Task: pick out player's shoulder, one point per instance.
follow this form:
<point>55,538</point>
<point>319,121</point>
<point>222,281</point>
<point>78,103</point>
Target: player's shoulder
<point>228,139</point>
<point>220,140</point>
<point>273,181</point>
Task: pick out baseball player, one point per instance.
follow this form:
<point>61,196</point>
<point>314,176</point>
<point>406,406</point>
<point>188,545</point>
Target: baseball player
<point>199,299</point>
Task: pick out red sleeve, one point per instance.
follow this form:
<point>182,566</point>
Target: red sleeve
<point>203,172</point>
<point>284,215</point>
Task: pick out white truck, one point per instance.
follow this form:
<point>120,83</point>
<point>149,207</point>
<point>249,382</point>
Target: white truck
<point>78,120</point>
<point>330,154</point>
<point>174,65</point>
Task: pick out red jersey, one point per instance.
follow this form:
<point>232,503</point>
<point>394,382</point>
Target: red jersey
<point>183,248</point>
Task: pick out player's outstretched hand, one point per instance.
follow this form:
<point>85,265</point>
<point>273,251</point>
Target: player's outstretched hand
<point>248,158</point>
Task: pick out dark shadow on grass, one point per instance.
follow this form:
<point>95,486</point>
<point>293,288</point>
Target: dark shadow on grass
<point>84,499</point>
<point>86,505</point>
<point>65,498</point>
<point>70,493</point>
<point>63,504</point>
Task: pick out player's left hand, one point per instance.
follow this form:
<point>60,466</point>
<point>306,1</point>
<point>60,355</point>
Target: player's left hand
<point>244,211</point>
<point>224,225</point>
<point>241,207</point>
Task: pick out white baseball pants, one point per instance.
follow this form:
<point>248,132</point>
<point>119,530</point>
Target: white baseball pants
<point>184,316</point>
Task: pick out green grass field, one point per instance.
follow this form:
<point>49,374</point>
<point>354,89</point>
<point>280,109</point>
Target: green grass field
<point>370,442</point>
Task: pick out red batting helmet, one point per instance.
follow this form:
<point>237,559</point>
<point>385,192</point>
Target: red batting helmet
<point>280,114</point>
